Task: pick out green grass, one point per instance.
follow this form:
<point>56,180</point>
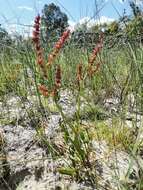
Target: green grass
<point>120,75</point>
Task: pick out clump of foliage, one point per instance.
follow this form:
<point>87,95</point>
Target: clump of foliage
<point>53,22</point>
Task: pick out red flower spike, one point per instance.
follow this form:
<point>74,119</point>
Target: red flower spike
<point>79,72</point>
<point>58,46</point>
<point>95,52</point>
<point>58,77</point>
<point>36,40</point>
<point>43,90</point>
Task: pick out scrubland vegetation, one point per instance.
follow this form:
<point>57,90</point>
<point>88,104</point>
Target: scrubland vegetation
<point>99,72</point>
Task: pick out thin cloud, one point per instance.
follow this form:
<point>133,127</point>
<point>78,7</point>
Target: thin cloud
<point>25,8</point>
<point>104,19</point>
<point>89,22</point>
<point>39,2</point>
<point>72,25</point>
<point>121,1</point>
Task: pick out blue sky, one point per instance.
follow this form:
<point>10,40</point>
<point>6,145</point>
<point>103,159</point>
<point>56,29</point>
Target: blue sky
<point>14,12</point>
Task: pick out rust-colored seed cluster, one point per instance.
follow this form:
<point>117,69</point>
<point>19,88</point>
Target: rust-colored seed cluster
<point>58,46</point>
<point>57,81</point>
<point>43,90</point>
<point>40,59</point>
<point>95,52</point>
<point>58,77</point>
<point>36,31</point>
<point>79,73</point>
<point>39,50</point>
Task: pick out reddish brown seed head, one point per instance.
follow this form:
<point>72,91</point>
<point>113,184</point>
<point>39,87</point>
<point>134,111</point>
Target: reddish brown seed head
<point>35,34</point>
<point>54,92</point>
<point>43,90</point>
<point>92,58</point>
<point>79,72</point>
<point>58,46</point>
<point>38,48</point>
<point>58,77</point>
